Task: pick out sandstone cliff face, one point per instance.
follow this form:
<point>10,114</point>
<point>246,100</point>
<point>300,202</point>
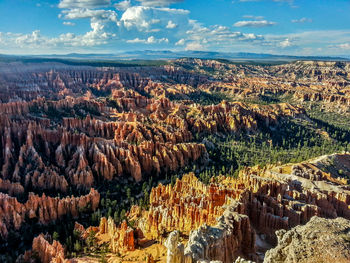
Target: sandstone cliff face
<point>120,239</point>
<point>184,207</point>
<point>48,253</point>
<point>231,237</point>
<point>44,208</point>
<point>175,250</point>
<point>320,240</point>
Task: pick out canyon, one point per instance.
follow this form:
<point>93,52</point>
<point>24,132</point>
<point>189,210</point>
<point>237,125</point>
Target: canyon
<point>233,217</point>
<point>129,158</point>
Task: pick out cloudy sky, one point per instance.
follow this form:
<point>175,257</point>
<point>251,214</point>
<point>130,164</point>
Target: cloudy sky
<point>295,27</point>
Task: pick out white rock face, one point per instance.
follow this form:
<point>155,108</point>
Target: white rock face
<point>175,253</point>
<point>231,237</point>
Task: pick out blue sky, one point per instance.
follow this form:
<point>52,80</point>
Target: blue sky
<point>308,27</point>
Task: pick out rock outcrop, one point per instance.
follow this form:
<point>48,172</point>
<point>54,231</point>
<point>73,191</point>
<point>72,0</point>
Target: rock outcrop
<point>43,208</point>
<point>231,237</point>
<point>175,250</point>
<point>46,252</point>
<point>320,240</point>
<point>120,239</point>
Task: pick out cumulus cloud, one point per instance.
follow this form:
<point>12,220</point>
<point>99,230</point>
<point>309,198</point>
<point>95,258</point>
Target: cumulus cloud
<point>285,43</point>
<point>99,34</point>
<point>83,3</point>
<point>150,40</point>
<point>103,24</point>
<point>171,25</point>
<point>302,20</point>
<point>79,13</point>
<point>181,42</point>
<point>254,23</point>
<point>217,36</point>
<point>194,46</point>
<point>149,23</point>
<point>140,18</point>
<point>29,39</point>
<point>123,5</point>
<point>134,26</point>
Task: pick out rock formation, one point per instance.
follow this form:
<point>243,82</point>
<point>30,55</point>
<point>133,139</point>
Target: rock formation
<point>120,239</point>
<point>223,219</point>
<point>175,250</point>
<point>65,129</point>
<point>43,208</point>
<point>48,253</point>
<point>231,237</point>
<point>320,240</point>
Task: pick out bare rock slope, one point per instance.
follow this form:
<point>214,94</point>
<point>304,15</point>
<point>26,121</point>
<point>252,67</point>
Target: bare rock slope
<point>320,240</point>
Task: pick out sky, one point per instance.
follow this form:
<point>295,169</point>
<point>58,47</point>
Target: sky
<point>290,27</point>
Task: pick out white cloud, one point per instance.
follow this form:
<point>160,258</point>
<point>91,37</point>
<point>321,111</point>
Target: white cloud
<point>68,23</point>
<point>140,18</point>
<point>253,23</point>
<point>134,26</point>
<point>171,25</point>
<point>158,2</point>
<point>136,40</point>
<point>285,43</point>
<point>103,25</point>
<point>148,22</point>
<point>200,37</point>
<point>30,39</point>
<point>317,42</point>
<point>302,20</point>
<point>150,40</point>
<point>83,3</point>
<point>96,36</point>
<point>194,46</point>
<point>123,5</point>
<point>181,42</point>
<point>79,13</point>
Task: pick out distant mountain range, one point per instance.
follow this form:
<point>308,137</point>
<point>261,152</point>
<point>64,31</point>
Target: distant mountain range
<point>166,54</point>
<point>169,55</point>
